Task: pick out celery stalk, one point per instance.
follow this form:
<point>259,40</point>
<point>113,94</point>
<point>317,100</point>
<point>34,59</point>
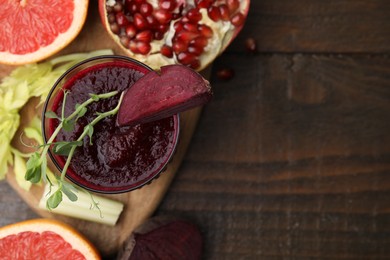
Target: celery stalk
<point>109,213</point>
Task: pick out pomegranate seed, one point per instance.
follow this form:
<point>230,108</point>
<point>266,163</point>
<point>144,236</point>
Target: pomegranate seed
<point>167,51</point>
<point>238,19</point>
<point>250,45</point>
<point>225,74</point>
<point>195,64</point>
<point>143,47</point>
<point>225,14</point>
<point>186,58</point>
<point>109,9</point>
<point>145,8</point>
<point>160,31</point>
<point>133,46</point>
<point>111,18</point>
<point>194,15</point>
<point>122,31</point>
<point>178,26</point>
<point>144,36</point>
<point>152,22</point>
<point>205,31</point>
<point>168,5</point>
<point>199,42</point>
<point>158,35</point>
<point>214,13</point>
<point>195,50</point>
<point>185,19</point>
<point>163,16</point>
<point>139,21</point>
<point>139,2</point>
<point>179,46</point>
<point>130,18</point>
<point>203,3</point>
<point>131,31</point>
<point>186,36</point>
<point>124,40</point>
<point>162,28</point>
<point>121,19</point>
<point>132,7</point>
<point>233,5</point>
<point>191,27</point>
<point>114,27</point>
<point>118,7</point>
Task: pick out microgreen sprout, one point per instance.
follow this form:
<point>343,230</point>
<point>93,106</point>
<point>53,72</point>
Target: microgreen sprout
<point>37,163</point>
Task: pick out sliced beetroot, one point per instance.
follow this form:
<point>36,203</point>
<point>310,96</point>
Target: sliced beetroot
<point>158,95</point>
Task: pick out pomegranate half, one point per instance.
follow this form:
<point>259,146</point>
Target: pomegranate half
<point>163,32</point>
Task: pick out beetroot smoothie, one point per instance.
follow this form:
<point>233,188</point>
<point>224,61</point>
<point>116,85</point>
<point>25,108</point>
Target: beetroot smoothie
<point>119,158</point>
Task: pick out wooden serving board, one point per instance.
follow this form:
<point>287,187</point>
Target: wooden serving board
<point>139,204</point>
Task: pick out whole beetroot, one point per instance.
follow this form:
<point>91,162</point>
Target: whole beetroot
<point>163,238</point>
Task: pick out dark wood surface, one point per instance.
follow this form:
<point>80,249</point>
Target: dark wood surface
<point>291,160</point>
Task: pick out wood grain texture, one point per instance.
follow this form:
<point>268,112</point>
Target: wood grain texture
<point>292,160</point>
<point>312,26</point>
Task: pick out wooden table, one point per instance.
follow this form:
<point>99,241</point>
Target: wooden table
<point>291,160</point>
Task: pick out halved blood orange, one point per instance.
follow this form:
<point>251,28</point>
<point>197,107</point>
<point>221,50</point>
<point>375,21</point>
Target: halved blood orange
<point>44,239</point>
<point>32,30</point>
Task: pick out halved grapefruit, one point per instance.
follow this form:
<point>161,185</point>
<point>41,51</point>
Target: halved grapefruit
<point>44,239</point>
<point>32,30</point>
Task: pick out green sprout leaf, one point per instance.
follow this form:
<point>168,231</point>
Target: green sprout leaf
<point>68,125</point>
<point>67,189</point>
<point>90,133</point>
<point>94,97</point>
<point>33,165</point>
<point>81,110</point>
<point>63,148</point>
<point>54,200</point>
<point>51,114</point>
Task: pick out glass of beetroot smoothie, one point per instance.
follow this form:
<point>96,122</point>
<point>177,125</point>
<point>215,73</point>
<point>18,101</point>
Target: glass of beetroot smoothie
<point>119,159</point>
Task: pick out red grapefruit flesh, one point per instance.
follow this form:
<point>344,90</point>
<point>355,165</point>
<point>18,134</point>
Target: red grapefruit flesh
<point>155,96</point>
<point>32,30</point>
<point>44,239</point>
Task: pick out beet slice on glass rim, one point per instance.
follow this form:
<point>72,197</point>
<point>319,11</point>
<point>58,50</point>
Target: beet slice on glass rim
<point>157,95</point>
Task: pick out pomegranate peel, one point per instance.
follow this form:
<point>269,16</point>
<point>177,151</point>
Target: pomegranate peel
<point>34,30</point>
<point>197,31</point>
<point>158,95</point>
